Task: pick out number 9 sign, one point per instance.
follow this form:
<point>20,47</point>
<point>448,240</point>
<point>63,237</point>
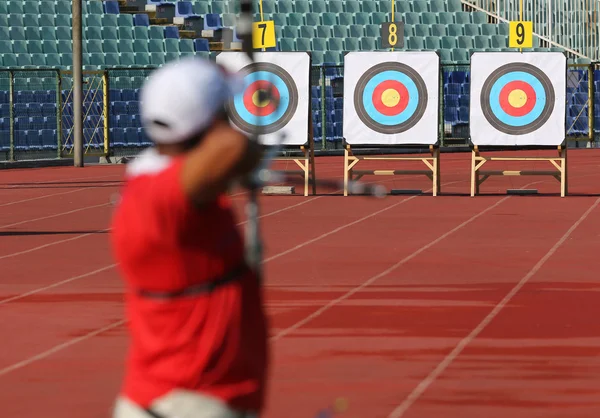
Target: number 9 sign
<point>392,35</point>
<point>520,34</point>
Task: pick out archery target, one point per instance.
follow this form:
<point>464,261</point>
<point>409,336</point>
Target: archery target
<point>518,99</point>
<point>282,112</point>
<point>391,98</point>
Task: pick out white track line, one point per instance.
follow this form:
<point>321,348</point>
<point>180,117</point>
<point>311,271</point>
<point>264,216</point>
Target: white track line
<point>68,180</point>
<point>50,244</point>
<point>425,383</point>
<point>56,284</point>
<point>54,216</point>
<point>59,347</point>
<point>372,279</point>
<point>42,197</point>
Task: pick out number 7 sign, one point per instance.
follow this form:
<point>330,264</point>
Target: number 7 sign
<point>263,34</point>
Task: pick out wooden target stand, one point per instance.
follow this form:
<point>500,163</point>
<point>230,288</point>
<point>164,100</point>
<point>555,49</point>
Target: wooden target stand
<point>431,162</point>
<point>478,176</point>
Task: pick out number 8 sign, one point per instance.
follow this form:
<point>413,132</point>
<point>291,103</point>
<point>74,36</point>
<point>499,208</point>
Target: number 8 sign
<point>392,35</point>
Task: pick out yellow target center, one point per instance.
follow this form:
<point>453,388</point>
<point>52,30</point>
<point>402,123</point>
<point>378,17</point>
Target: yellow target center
<point>390,98</point>
<point>256,99</point>
<point>517,98</point>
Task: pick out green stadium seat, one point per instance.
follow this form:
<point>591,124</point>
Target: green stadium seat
<point>218,7</point>
<point>412,18</point>
<point>110,46</point>
<point>334,6</point>
<point>448,42</point>
<point>302,6</point>
<point>465,42</point>
<point>93,20</point>
<point>4,25</point>
<point>432,42</point>
<point>335,44</point>
<point>364,19</point>
<point>372,30</point>
<point>63,33</point>
<point>19,47</point>
<point>287,44</point>
<point>421,30</point>
<point>357,31</point>
<point>30,20</point>
<point>48,34</point>
<point>124,20</point>
<point>156,32</point>
<point>140,45</point>
<point>290,32</point>
<point>345,19</point>
<point>142,59</point>
<point>9,60</point>
<point>429,18</point>
<point>171,56</point>
<point>489,29</point>
<point>124,33</point>
<point>15,21</point>
<point>377,18</point>
<point>445,18</point>
<point>172,45</point>
<point>94,46</point>
<point>201,8</point>
<point>280,19</point>
<point>32,34</point>
<point>229,20</point>
<point>330,19</point>
<point>419,6</point>
<point>6,47</point>
<point>34,47</point>
<point>340,31</point>
<point>187,54</point>
<point>369,6</point>
<point>460,55</point>
<point>437,6</point>
<point>64,47</point>
<point>454,5</point>
<point>455,29</point>
<point>157,58</point>
<point>462,17</point>
<point>307,31</point>
<point>126,46</point>
<point>127,59</point>
<point>312,19</point>
<point>141,32</point>
<point>63,7</point>
<point>317,57</point>
<point>156,45</point>
<point>438,30</point>
<point>416,42</point>
<point>95,7</point>
<point>3,8</point>
<point>351,44</point>
<point>472,29</point>
<point>319,44</point>
<point>402,7</point>
<point>111,59</point>
<point>409,30</point>
<point>111,20</point>
<point>303,44</point>
<point>93,32</point>
<point>503,29</point>
<point>63,20</point>
<point>186,45</point>
<point>368,44</point>
<point>445,56</point>
<point>335,57</point>
<point>24,60</point>
<point>96,60</point>
<point>385,7</point>
<point>47,20</point>
<point>47,7</point>
<point>324,31</point>
<point>16,7</point>
<point>53,60</point>
<point>295,19</point>
<point>482,41</point>
<point>268,6</point>
<point>479,18</point>
<point>499,41</point>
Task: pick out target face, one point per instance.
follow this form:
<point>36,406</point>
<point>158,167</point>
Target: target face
<point>517,98</point>
<point>268,102</point>
<point>390,98</point>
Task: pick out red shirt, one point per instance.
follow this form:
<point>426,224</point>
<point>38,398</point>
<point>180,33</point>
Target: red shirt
<point>215,343</point>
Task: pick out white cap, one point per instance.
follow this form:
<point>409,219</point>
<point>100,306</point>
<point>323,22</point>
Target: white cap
<point>181,98</point>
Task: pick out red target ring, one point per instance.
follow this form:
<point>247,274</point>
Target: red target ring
<point>250,98</point>
<point>390,88</point>
<point>510,104</point>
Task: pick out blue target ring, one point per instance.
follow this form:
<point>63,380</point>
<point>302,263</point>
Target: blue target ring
<point>259,118</point>
<point>537,99</point>
<point>390,98</point>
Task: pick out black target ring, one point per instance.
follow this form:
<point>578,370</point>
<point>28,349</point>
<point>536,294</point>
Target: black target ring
<point>256,118</point>
<point>407,114</point>
<point>536,82</point>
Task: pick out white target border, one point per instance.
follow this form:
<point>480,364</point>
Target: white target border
<point>298,65</point>
<point>552,133</point>
<point>425,131</point>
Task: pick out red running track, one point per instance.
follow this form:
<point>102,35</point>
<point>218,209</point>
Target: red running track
<point>406,307</point>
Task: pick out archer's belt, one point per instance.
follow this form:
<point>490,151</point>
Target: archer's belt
<point>233,275</point>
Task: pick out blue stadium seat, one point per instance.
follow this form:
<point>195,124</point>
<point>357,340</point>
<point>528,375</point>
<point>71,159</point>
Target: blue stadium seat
<point>171,32</point>
<point>201,45</point>
<point>184,9</point>
<point>133,107</point>
<point>141,20</point>
<point>111,7</point>
<point>34,140</point>
<point>117,137</point>
<point>463,115</point>
<point>48,139</point>
<point>128,95</point>
<point>21,140</point>
<point>114,95</point>
<point>212,21</point>
<point>450,115</point>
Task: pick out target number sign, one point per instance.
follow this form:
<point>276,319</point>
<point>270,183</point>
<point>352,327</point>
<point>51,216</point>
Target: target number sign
<point>520,34</point>
<point>392,35</point>
<point>517,98</point>
<point>255,110</point>
<point>263,34</point>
